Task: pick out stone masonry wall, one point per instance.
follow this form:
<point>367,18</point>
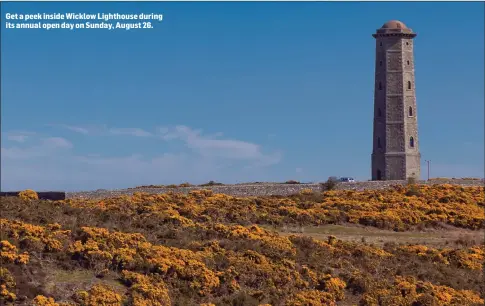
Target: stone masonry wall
<point>266,189</point>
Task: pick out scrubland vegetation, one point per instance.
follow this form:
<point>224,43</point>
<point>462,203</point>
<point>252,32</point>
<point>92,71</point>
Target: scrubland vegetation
<point>213,249</point>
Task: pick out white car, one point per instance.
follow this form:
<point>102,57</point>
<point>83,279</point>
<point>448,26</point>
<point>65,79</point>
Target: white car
<point>347,179</point>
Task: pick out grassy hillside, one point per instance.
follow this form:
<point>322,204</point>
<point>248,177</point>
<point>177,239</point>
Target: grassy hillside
<point>204,248</point>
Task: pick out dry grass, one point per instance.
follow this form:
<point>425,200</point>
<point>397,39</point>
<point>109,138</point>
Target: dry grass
<point>438,238</point>
<point>60,283</point>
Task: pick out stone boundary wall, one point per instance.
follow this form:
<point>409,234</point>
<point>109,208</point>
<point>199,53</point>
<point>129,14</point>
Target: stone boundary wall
<point>266,189</point>
<point>43,195</point>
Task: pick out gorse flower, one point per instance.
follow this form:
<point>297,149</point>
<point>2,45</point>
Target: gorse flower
<point>207,249</point>
<point>28,195</point>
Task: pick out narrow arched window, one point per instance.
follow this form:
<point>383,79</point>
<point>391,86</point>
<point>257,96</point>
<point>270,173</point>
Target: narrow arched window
<point>409,84</point>
<point>379,113</point>
<point>380,44</point>
<point>379,143</point>
<point>408,63</point>
<point>410,111</point>
<point>411,142</point>
<point>380,86</point>
<point>380,63</point>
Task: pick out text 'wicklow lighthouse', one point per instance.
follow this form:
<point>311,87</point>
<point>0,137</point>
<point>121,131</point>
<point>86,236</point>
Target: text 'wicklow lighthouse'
<point>395,153</point>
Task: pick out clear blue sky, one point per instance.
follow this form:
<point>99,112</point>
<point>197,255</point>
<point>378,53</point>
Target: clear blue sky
<point>230,92</point>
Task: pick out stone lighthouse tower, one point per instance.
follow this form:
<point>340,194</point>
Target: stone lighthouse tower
<point>395,152</point>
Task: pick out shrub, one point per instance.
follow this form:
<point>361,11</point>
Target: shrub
<point>7,282</point>
<point>411,181</point>
<point>330,184</point>
<point>28,195</point>
<point>41,300</point>
<point>211,183</point>
<point>98,295</point>
<point>190,249</point>
<point>413,189</point>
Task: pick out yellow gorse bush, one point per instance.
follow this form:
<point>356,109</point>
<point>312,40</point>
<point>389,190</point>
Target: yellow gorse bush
<point>146,291</point>
<point>41,300</point>
<point>205,247</point>
<point>408,290</point>
<point>9,253</point>
<point>98,295</point>
<point>389,209</point>
<point>28,195</point>
<point>311,297</point>
<point>7,282</point>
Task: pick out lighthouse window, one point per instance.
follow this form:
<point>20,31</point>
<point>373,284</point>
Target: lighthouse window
<point>379,113</point>
<point>409,84</point>
<point>379,143</point>
<point>411,142</point>
<point>380,86</point>
<point>410,111</point>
